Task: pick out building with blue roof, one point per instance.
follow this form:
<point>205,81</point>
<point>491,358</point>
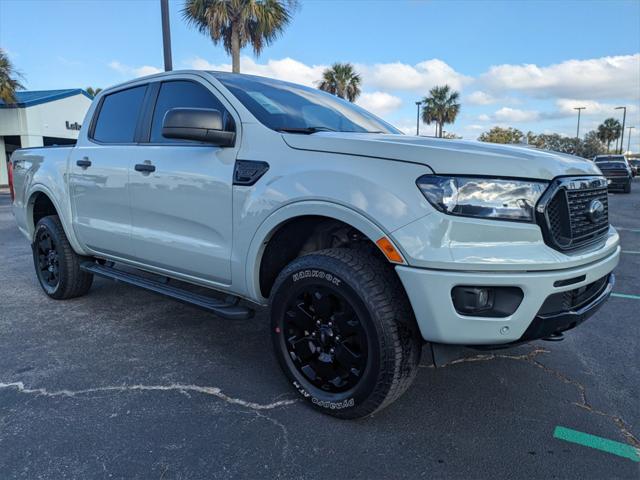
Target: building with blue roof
<point>40,118</point>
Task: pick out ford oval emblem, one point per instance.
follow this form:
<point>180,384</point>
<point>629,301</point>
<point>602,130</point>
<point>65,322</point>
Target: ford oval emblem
<point>596,211</point>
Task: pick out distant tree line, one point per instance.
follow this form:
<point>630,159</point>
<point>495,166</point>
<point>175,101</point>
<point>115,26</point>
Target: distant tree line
<point>593,143</point>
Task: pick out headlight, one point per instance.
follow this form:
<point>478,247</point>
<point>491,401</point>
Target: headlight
<point>498,198</point>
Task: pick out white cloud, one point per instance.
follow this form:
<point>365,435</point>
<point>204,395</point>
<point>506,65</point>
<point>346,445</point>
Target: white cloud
<point>606,77</point>
<point>380,103</point>
<point>484,117</point>
<point>285,69</point>
<point>419,78</point>
<point>507,114</point>
<point>480,98</point>
<point>134,71</point>
<point>566,107</point>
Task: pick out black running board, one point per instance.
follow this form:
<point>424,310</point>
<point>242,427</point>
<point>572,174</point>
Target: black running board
<point>225,309</point>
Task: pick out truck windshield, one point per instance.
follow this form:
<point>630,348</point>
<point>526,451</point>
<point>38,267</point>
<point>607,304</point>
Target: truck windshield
<point>292,108</point>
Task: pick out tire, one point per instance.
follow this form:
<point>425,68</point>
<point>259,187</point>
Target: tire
<point>344,332</point>
<point>627,187</point>
<point>57,265</point>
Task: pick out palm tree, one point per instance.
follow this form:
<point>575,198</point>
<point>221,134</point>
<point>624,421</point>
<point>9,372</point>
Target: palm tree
<point>93,91</point>
<point>441,106</point>
<point>9,82</point>
<point>341,80</point>
<point>237,23</point>
<point>609,131</point>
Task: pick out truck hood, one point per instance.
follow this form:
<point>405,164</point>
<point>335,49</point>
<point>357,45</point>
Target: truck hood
<point>448,156</point>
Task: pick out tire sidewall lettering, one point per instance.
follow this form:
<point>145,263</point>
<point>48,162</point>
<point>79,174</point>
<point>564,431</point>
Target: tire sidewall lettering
<point>315,273</point>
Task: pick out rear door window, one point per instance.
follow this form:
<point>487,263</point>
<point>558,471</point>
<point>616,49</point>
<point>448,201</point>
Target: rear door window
<point>187,94</point>
<point>118,116</point>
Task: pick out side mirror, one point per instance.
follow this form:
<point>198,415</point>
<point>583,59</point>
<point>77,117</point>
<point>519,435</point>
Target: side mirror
<point>199,124</point>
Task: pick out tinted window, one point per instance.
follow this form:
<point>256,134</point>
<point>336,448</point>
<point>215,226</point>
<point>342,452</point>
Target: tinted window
<point>182,94</point>
<point>287,106</point>
<point>118,116</point>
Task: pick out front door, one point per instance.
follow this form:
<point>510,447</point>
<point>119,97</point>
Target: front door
<point>181,211</point>
<point>99,175</point>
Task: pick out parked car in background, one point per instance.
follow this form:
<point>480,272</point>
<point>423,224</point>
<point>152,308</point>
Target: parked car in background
<point>363,241</point>
<point>617,171</point>
<point>634,163</point>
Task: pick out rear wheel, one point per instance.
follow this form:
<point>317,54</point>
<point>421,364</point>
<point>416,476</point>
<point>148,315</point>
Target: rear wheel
<point>57,265</point>
<point>344,332</point>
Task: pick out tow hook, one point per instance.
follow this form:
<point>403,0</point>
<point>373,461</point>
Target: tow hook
<point>554,337</point>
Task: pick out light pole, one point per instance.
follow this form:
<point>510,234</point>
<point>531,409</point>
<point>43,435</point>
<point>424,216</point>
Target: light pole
<point>166,35</point>
<point>579,109</point>
<point>629,139</point>
<point>418,119</point>
<point>624,118</point>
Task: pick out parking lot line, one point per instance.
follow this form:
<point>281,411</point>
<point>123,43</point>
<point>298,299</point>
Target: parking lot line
<point>624,229</point>
<point>626,295</point>
<point>631,252</point>
<point>599,443</point>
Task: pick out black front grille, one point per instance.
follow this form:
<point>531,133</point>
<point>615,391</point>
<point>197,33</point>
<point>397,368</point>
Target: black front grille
<point>564,212</point>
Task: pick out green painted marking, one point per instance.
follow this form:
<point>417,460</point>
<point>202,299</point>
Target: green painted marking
<point>626,295</point>
<point>599,443</point>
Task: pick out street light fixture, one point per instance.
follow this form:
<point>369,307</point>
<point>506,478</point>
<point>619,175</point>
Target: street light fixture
<point>418,119</point>
<point>624,118</point>
<point>579,109</point>
<point>629,139</point>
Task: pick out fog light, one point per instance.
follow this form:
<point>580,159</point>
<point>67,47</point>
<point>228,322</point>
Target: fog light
<point>471,300</point>
<point>480,301</point>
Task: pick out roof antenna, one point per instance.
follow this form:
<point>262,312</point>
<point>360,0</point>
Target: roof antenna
<point>166,35</point>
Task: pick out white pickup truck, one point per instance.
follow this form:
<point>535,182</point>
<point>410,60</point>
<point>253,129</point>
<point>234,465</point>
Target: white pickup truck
<point>363,242</point>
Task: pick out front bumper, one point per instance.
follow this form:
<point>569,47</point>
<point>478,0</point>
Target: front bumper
<point>429,292</point>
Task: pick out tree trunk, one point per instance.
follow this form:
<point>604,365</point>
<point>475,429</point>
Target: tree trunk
<point>235,48</point>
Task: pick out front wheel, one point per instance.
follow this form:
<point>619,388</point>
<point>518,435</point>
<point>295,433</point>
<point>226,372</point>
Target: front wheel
<point>627,188</point>
<point>344,332</point>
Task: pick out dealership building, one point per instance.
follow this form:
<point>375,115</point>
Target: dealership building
<point>40,118</point>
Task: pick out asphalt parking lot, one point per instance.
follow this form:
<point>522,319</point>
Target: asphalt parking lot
<point>126,384</point>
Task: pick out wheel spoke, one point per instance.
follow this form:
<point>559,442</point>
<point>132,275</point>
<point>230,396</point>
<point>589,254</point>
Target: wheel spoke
<point>300,317</point>
<point>303,348</point>
<point>347,357</point>
<point>321,303</point>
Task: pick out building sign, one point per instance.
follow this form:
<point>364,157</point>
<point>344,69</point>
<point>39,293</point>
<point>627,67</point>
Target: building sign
<point>72,126</point>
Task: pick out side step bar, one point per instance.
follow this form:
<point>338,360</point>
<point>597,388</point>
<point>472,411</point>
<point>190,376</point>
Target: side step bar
<point>230,310</point>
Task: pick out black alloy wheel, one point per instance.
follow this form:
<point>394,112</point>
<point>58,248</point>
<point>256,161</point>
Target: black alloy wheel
<point>48,264</point>
<point>325,339</point>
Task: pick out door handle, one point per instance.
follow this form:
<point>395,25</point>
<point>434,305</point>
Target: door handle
<point>145,167</point>
<point>84,163</point>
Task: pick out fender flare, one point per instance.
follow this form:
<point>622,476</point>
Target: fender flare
<point>300,209</point>
<point>62,213</point>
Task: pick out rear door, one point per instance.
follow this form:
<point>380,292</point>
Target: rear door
<point>181,211</point>
<point>99,174</point>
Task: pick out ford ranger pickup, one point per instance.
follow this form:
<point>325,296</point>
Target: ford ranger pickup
<point>363,242</point>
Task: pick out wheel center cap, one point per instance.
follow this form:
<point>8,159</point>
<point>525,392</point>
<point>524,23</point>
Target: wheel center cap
<point>326,335</point>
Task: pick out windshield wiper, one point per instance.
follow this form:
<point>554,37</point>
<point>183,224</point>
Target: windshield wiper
<point>307,130</point>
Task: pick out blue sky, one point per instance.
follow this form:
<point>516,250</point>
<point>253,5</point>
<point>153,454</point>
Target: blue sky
<point>519,63</point>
